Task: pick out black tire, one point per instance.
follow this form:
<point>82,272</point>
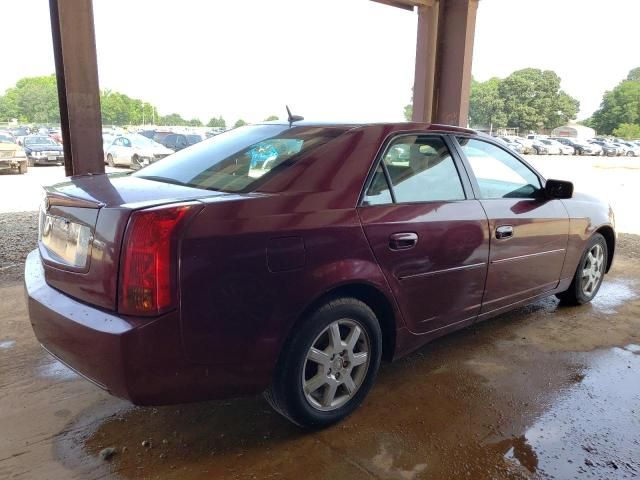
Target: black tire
<point>110,160</point>
<point>31,162</point>
<point>22,168</point>
<point>286,394</point>
<point>135,163</point>
<point>575,294</point>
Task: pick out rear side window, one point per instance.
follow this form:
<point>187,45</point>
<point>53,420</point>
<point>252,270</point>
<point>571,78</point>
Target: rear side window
<point>240,159</point>
<point>420,169</point>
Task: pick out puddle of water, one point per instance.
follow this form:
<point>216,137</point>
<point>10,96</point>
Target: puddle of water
<point>6,345</point>
<point>56,370</point>
<point>593,429</point>
<point>613,294</point>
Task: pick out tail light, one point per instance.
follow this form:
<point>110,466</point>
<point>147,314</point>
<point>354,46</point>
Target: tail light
<point>148,266</point>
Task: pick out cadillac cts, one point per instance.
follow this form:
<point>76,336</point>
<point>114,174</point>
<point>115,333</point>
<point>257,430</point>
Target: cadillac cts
<point>291,258</point>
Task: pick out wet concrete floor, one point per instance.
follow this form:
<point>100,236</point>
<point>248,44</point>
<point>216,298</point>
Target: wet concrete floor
<point>542,392</point>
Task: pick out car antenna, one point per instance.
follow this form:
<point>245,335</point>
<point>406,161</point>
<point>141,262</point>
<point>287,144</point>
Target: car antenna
<point>293,118</point>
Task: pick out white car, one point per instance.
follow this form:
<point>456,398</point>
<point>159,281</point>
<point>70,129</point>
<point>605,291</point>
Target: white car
<point>553,147</point>
<point>135,151</point>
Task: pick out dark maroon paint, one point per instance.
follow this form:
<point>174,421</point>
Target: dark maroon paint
<point>251,265</point>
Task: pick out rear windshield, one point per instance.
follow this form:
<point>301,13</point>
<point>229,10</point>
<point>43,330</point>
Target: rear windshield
<point>240,159</point>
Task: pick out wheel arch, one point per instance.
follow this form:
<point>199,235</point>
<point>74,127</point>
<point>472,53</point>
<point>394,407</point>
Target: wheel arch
<point>610,237</point>
<point>374,298</point>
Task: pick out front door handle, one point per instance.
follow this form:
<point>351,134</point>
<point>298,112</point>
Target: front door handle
<point>504,231</point>
<point>403,240</point>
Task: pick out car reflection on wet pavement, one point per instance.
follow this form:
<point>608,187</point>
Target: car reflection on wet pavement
<point>542,392</point>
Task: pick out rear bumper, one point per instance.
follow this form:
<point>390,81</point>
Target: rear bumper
<point>137,359</point>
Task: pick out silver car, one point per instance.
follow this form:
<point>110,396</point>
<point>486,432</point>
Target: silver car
<point>134,151</point>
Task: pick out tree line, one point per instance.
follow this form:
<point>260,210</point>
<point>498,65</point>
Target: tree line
<point>532,100</point>
<point>34,100</point>
<point>528,99</point>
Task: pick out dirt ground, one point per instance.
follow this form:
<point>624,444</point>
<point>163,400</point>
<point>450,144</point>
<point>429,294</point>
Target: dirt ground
<point>542,392</point>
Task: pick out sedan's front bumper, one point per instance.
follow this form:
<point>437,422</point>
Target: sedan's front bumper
<point>139,359</point>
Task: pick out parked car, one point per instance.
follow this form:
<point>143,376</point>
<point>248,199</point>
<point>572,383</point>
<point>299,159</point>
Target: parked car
<point>42,150</point>
<point>633,150</point>
<point>623,150</point>
<point>527,145</point>
<point>608,149</point>
<point>564,149</point>
<point>201,277</point>
<point>177,141</point>
<point>12,156</point>
<point>540,148</point>
<point>580,147</point>
<point>134,151</point>
<point>553,148</point>
<point>147,133</point>
<point>513,145</point>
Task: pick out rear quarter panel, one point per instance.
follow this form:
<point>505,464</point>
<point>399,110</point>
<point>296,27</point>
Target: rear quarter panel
<point>248,273</point>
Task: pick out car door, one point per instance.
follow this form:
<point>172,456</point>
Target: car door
<point>429,236</point>
<point>114,150</point>
<point>125,151</point>
<point>529,232</point>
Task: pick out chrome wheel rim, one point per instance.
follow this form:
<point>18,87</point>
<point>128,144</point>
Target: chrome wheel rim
<point>336,365</point>
<point>592,270</point>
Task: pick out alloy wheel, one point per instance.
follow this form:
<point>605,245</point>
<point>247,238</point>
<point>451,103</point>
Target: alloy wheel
<point>593,270</point>
<point>336,365</point>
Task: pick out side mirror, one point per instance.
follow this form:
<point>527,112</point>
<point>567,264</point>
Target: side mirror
<point>558,189</point>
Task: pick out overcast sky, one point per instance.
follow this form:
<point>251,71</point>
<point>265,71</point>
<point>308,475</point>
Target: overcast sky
<point>328,59</point>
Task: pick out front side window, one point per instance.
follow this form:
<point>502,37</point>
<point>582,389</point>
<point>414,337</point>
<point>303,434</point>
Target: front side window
<point>236,160</point>
<point>499,174</point>
<point>420,169</point>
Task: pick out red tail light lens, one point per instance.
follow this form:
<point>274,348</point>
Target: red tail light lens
<point>148,267</point>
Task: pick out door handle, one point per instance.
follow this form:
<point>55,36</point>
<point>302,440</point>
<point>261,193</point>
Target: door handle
<point>403,240</point>
<point>504,231</point>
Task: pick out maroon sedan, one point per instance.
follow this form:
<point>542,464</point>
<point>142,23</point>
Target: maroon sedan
<point>291,258</point>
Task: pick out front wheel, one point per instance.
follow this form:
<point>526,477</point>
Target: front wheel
<point>22,168</point>
<point>589,274</point>
<point>329,365</point>
<point>110,160</point>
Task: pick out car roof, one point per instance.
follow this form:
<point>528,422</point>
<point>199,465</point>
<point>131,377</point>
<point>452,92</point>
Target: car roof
<point>348,124</point>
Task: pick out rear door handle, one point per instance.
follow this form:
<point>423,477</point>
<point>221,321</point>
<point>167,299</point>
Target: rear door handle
<point>403,240</point>
<point>504,231</point>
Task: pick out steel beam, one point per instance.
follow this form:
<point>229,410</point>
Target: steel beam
<point>444,52</point>
<point>74,49</point>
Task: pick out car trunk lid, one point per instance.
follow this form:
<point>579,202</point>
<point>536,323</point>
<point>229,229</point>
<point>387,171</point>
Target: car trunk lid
<point>82,225</point>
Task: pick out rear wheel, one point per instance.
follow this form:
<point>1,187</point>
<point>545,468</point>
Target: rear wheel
<point>329,365</point>
<point>589,274</point>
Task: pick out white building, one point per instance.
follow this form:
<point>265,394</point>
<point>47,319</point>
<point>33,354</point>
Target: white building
<point>574,131</point>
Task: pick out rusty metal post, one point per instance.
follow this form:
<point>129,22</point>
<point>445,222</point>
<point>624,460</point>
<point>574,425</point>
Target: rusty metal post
<point>74,49</point>
<point>444,53</point>
<point>424,80</point>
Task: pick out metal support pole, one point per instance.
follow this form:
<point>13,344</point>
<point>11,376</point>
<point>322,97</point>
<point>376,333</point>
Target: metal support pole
<point>74,49</point>
<point>444,53</point>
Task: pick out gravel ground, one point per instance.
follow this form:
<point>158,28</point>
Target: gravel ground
<point>19,233</point>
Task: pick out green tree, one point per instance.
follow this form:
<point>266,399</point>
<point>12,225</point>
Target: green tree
<point>620,105</point>
<point>634,75</point>
<point>173,119</point>
<point>239,123</point>
<point>195,122</point>
<point>486,106</point>
<point>408,109</point>
<point>533,99</point>
<point>32,100</point>
<point>628,131</point>
<point>218,122</point>
<point>271,118</point>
